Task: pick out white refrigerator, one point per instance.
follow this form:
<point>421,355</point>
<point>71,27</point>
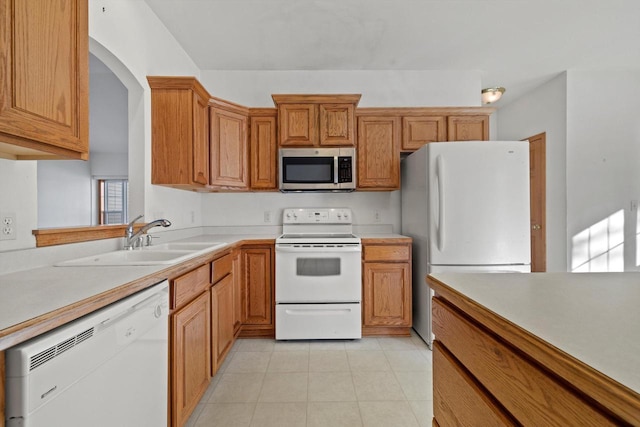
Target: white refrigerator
<point>466,206</point>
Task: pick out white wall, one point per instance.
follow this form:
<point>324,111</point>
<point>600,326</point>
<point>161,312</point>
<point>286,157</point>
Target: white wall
<point>379,88</point>
<point>545,110</point>
<point>603,168</point>
<point>234,209</point>
<point>18,183</point>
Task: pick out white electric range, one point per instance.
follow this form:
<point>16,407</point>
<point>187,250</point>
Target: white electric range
<point>318,276</point>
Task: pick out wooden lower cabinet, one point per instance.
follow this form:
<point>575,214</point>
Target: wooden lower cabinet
<point>257,291</point>
<point>479,372</point>
<point>190,356</point>
<point>237,291</point>
<point>222,328</point>
<point>386,289</point>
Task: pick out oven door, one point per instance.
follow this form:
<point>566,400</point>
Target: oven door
<point>318,273</point>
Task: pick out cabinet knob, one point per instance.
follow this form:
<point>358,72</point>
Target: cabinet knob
<point>536,227</point>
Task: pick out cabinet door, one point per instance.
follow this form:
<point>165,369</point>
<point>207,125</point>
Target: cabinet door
<point>297,124</point>
<point>228,149</point>
<point>263,153</point>
<point>191,356</point>
<point>418,131</point>
<point>44,84</point>
<point>379,153</point>
<point>221,320</point>
<point>258,298</point>
<point>387,294</point>
<point>237,291</point>
<point>200,158</point>
<point>468,128</point>
<point>337,124</point>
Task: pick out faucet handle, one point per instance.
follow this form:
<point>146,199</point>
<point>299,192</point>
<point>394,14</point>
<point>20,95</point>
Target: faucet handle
<point>150,238</point>
<point>136,218</point>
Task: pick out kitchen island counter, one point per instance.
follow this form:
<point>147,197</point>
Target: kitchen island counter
<point>581,328</point>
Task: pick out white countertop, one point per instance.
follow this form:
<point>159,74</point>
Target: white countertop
<point>28,294</point>
<point>594,317</point>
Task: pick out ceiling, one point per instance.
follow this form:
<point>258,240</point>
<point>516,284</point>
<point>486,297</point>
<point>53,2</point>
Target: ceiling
<point>518,44</point>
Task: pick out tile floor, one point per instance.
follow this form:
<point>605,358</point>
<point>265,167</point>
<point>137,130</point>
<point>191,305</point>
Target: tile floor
<point>384,382</point>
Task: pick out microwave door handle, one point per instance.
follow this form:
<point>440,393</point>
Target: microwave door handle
<point>335,169</point>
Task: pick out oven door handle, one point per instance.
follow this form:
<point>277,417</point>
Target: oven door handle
<point>318,249</point>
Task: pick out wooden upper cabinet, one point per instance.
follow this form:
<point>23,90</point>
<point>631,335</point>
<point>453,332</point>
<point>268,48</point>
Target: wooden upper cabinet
<point>229,145</point>
<point>44,83</point>
<point>263,149</point>
<point>337,124</point>
<point>378,154</point>
<point>316,120</point>
<point>179,132</point>
<point>468,128</point>
<point>418,131</point>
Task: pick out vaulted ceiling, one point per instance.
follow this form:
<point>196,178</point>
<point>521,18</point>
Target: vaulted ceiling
<point>518,44</point>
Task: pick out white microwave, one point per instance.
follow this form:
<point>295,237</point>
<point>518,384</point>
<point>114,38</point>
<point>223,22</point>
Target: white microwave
<point>317,169</point>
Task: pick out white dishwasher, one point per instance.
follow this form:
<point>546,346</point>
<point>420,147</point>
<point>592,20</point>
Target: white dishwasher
<point>108,368</point>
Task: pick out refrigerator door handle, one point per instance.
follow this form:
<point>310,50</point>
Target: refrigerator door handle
<point>440,178</point>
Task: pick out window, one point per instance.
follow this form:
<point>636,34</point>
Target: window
<point>112,200</point>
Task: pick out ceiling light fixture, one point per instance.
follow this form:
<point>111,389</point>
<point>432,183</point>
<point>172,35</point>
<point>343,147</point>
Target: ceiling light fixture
<point>492,94</point>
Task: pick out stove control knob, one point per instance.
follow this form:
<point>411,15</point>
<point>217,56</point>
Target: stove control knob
<point>288,215</point>
<point>346,215</point>
<point>339,215</point>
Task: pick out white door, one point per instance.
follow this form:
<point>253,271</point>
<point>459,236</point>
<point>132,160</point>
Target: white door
<point>479,203</point>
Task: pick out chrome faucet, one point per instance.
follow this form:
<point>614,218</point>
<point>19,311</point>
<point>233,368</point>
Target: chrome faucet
<point>132,239</point>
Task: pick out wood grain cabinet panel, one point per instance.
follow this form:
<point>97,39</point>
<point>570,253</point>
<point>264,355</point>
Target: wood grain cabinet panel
<point>418,131</point>
<point>222,327</point>
<point>458,400</point>
<point>229,155</point>
<point>179,133</point>
<point>526,390</point>
<point>468,128</point>
<point>297,124</point>
<point>44,82</point>
<point>264,152</point>
<point>337,124</point>
<point>237,292</point>
<point>257,307</point>
<point>378,153</point>
<point>387,294</point>
<point>190,359</point>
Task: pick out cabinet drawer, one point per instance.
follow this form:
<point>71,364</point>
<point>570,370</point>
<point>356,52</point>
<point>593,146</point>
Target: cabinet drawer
<point>532,395</point>
<point>386,252</point>
<point>190,285</point>
<point>221,267</point>
<point>458,399</point>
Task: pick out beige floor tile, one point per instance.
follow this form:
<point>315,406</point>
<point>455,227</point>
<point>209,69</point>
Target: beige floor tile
<point>280,415</point>
<point>423,410</point>
<point>284,387</point>
<point>191,422</point>
<point>331,387</point>
<point>248,361</point>
<point>416,385</point>
<point>225,363</point>
<point>291,346</point>
<point>397,343</point>
<point>363,344</point>
<point>387,414</point>
<point>427,354</point>
<point>419,342</point>
<point>239,388</point>
<point>333,414</point>
<point>326,345</point>
<point>255,344</point>
<point>328,361</point>
<point>289,361</point>
<point>377,386</point>
<point>226,414</point>
<point>367,360</point>
<point>407,360</point>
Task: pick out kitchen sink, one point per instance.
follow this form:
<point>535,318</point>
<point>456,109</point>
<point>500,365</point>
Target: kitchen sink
<point>163,254</point>
<point>185,246</point>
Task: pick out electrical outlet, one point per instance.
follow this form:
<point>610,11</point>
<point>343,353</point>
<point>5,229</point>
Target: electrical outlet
<point>7,226</point>
<point>267,217</point>
<point>376,216</point>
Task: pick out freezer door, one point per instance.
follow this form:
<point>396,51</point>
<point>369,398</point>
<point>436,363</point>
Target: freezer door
<point>478,195</point>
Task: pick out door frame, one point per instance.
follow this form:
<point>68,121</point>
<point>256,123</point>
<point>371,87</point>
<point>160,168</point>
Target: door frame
<point>537,189</point>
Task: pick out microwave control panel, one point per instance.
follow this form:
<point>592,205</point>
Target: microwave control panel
<point>345,171</point>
